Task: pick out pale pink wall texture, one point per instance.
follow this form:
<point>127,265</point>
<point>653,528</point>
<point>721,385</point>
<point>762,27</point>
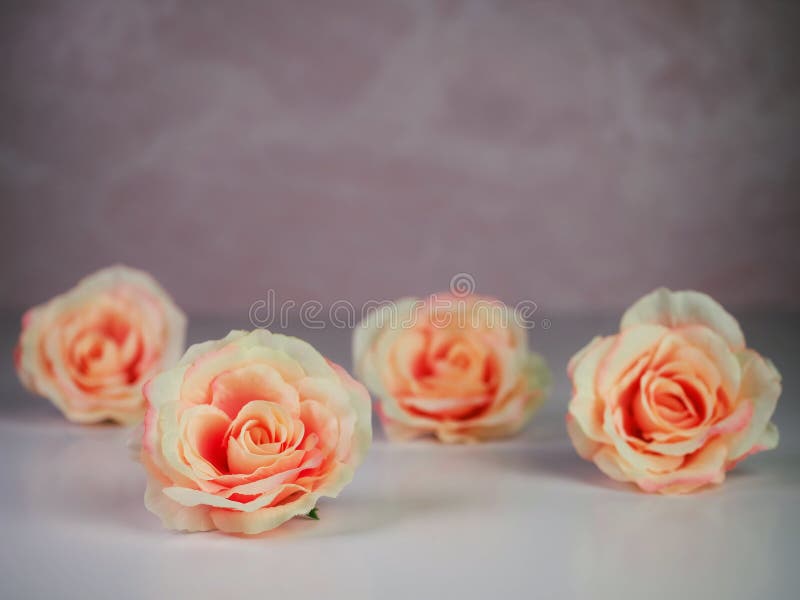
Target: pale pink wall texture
<point>575,153</point>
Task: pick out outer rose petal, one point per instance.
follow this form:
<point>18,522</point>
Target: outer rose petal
<point>262,520</point>
<point>706,466</point>
<point>375,334</point>
<point>362,433</point>
<point>678,309</point>
<point>612,464</point>
<point>628,346</point>
<point>584,445</point>
<point>585,407</point>
<point>172,514</point>
<point>761,385</point>
<point>768,441</point>
<point>721,355</point>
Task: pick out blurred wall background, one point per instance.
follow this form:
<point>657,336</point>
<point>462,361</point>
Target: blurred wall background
<point>574,153</point>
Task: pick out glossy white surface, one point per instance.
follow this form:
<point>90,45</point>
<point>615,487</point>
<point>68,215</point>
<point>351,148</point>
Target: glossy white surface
<point>523,518</point>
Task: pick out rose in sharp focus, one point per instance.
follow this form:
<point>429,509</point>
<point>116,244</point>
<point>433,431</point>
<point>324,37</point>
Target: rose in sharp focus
<point>249,431</point>
<point>675,399</point>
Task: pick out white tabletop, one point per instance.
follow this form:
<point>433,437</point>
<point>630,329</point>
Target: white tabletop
<point>521,518</point>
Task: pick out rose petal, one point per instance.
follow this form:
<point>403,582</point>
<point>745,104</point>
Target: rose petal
<point>585,407</point>
<point>761,385</point>
<point>679,309</point>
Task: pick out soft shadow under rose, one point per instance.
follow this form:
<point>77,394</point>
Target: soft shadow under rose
<point>675,399</point>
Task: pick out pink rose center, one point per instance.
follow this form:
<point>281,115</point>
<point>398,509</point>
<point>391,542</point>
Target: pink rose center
<point>673,398</point>
<point>443,373</point>
<point>258,424</point>
<point>668,405</point>
<point>102,348</point>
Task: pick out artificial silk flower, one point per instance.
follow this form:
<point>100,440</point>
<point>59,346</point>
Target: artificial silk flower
<point>249,431</point>
<point>675,399</point>
<point>453,366</point>
<point>90,350</point>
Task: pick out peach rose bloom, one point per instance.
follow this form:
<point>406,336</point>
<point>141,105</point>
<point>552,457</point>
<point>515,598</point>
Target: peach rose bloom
<point>455,367</point>
<point>673,400</point>
<point>249,431</point>
<point>90,350</point>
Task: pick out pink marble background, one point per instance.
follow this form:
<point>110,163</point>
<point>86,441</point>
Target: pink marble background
<point>575,153</point>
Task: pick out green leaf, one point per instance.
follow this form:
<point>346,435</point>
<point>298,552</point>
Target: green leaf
<point>312,514</point>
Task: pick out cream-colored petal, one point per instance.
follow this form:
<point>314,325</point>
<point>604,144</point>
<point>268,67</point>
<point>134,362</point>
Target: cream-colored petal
<point>350,402</point>
<point>684,308</point>
<point>613,465</point>
<point>584,445</point>
<point>706,466</point>
<point>313,363</point>
<point>581,354</point>
<point>733,423</point>
<point>761,385</point>
<point>449,406</point>
<point>174,515</point>
<point>768,440</point>
<point>399,431</point>
<point>265,519</point>
<point>374,338</point>
<point>630,345</point>
<point>362,428</point>
<point>391,316</point>
<point>392,410</point>
<point>196,351</point>
<point>585,406</point>
<point>268,484</point>
<point>192,497</point>
<point>241,353</point>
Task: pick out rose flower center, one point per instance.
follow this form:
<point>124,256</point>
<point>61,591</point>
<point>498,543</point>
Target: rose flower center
<point>103,349</point>
<point>670,405</point>
<point>443,373</point>
<point>254,423</point>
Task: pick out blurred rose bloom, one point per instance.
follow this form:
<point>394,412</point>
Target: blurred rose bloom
<point>90,350</point>
<point>457,367</point>
<point>675,399</point>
